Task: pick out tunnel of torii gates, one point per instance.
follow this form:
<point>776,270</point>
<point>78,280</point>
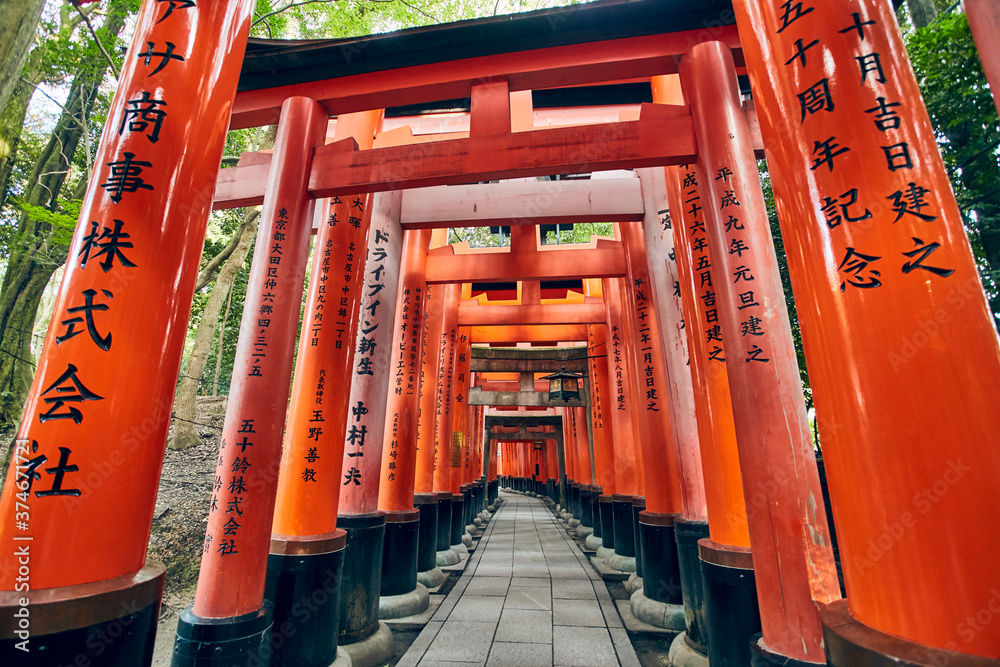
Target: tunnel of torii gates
<point>417,388</point>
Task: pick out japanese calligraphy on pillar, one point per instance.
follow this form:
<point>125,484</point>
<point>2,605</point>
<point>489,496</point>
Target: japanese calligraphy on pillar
<point>311,464</point>
<point>701,267</point>
<point>370,384</point>
<point>120,255</point>
<point>828,101</point>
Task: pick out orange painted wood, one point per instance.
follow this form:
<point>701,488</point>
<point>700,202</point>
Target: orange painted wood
<point>600,61</point>
<point>399,450</point>
<point>489,108</point>
<point>727,517</point>
<point>600,397</point>
<point>445,381</point>
<point>727,514</point>
<point>662,135</point>
<point>102,528</point>
<point>530,333</point>
<point>371,380</point>
<point>600,262</point>
<point>660,459</point>
<point>620,405</point>
<point>665,300</point>
<point>576,313</point>
<point>310,482</point>
<point>426,417</point>
<point>905,375</point>
<point>792,554</point>
<point>238,536</point>
<point>984,21</point>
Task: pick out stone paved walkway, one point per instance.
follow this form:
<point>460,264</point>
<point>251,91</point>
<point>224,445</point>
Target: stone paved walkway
<point>528,597</point>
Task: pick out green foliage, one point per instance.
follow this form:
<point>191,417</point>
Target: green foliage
<point>63,220</point>
<point>963,113</point>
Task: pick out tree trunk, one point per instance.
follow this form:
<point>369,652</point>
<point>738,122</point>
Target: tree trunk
<point>184,434</point>
<point>37,252</point>
<point>922,12</point>
<point>222,336</point>
<point>11,125</point>
<point>18,21</point>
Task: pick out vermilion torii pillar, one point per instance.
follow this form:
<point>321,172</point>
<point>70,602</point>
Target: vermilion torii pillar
<point>406,527</point>
<point>441,382</point>
<point>901,347</point>
<point>733,611</point>
<point>83,475</point>
<point>604,458</point>
<point>729,605</point>
<point>307,548</point>
<point>627,465</point>
<point>460,460</point>
<point>792,554</point>
<point>234,563</point>
<point>361,634</point>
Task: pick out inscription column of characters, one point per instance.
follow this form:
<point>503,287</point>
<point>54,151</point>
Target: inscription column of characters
<point>462,469</point>
<point>658,234</point>
<point>444,374</point>
<point>115,261</point>
<point>399,454</point>
<point>793,570</point>
<point>710,380</point>
<point>625,464</point>
<point>901,309</point>
<point>370,385</point>
<point>604,457</point>
<point>659,449</point>
<point>244,491</point>
<point>312,454</point>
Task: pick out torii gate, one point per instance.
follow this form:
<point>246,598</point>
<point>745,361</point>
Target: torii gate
<point>844,134</point>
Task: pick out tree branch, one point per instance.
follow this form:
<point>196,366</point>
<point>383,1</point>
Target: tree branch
<point>93,33</point>
<point>206,274</point>
<point>259,19</point>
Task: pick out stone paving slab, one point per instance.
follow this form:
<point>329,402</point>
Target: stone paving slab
<point>528,596</point>
<point>505,654</point>
<point>416,620</point>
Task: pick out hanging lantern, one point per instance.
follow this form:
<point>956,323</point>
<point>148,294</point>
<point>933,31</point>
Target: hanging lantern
<point>564,386</point>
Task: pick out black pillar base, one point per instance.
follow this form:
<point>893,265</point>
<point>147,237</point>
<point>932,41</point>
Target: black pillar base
<point>305,573</point>
<point>638,505</point>
<point>59,626</point>
<point>607,509</point>
<point>661,575</point>
<point>595,510</point>
<point>362,581</point>
<point>574,499</point>
<point>730,603</point>
<point>223,642</point>
<point>444,520</point>
<point>458,522</point>
<point>427,504</point>
<point>687,534</point>
<point>624,525</point>
<point>586,506</point>
<point>399,553</point>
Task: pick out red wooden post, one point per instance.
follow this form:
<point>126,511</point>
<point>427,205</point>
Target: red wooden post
<point>901,347</point>
<point>405,524</point>
<point>83,475</point>
<point>792,555</point>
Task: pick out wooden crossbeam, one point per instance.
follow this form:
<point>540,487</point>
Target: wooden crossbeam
<point>607,260</point>
<point>523,203</point>
<point>470,314</point>
<point>663,135</point>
